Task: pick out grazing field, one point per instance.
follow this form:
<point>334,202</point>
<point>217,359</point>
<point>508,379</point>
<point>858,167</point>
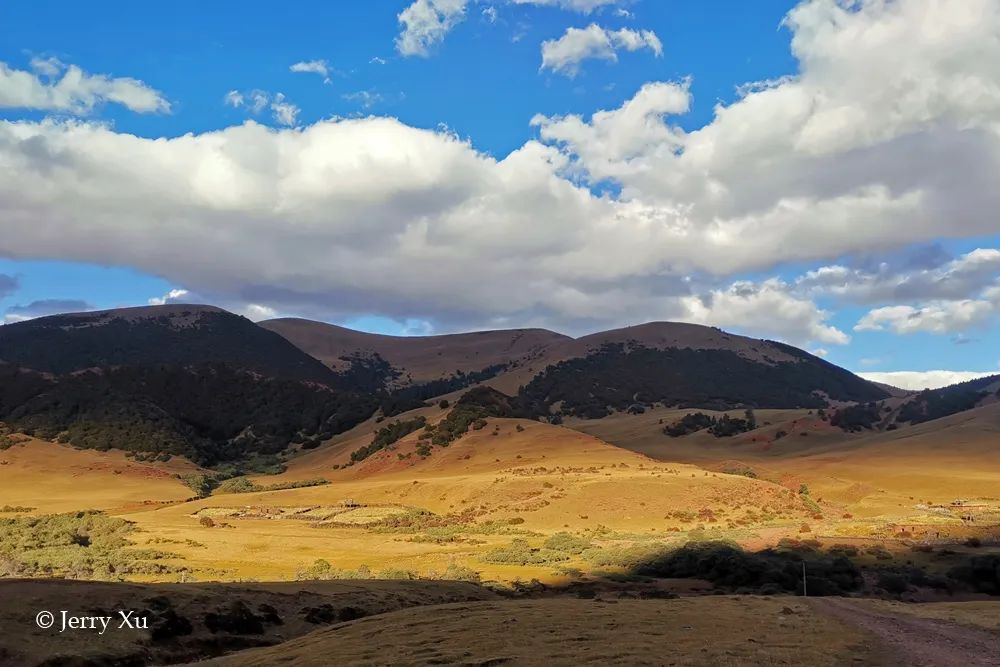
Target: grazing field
<point>695,631</point>
<point>188,622</point>
<point>58,478</point>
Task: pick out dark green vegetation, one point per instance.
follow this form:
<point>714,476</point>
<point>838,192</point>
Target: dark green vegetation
<point>981,573</point>
<point>616,377</point>
<point>415,395</point>
<point>853,418</point>
<point>176,380</point>
<point>936,403</point>
<point>78,545</point>
<point>721,427</point>
<point>171,336</point>
<point>372,374</point>
<point>387,436</point>
<point>210,413</point>
<point>470,411</point>
<point>925,406</point>
<point>770,571</point>
<point>244,485</point>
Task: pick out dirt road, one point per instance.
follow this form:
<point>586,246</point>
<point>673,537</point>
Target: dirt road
<point>918,642</point>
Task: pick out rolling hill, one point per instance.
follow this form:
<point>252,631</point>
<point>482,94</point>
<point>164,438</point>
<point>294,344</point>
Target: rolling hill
<point>660,362</point>
<point>173,335</point>
<point>416,359</point>
<point>169,380</point>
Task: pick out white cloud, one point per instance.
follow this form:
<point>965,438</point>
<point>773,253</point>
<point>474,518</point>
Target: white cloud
<point>285,112</point>
<point>565,54</point>
<point>764,309</point>
<point>234,98</point>
<point>256,101</point>
<point>581,6</point>
<point>257,312</point>
<point>426,22</point>
<point>370,215</point>
<point>320,67</point>
<point>54,86</point>
<point>175,295</point>
<point>918,380</point>
<point>938,317</point>
<point>849,149</point>
<point>377,60</point>
<point>959,278</point>
<point>366,98</point>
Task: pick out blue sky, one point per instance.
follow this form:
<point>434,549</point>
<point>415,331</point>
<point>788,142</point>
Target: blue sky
<point>495,110</point>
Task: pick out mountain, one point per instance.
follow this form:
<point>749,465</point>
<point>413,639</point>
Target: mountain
<point>195,381</point>
<point>684,365</point>
<point>933,404</point>
<point>660,362</point>
<point>174,335</point>
<point>416,359</point>
<point>213,386</point>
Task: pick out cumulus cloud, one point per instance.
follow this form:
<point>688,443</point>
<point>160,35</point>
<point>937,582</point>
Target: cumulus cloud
<point>938,317</point>
<point>44,307</point>
<point>320,67</point>
<point>565,54</point>
<point>849,148</point>
<point>918,380</point>
<point>255,101</point>
<point>960,278</point>
<point>765,309</point>
<point>370,215</point>
<point>54,86</point>
<point>426,22</point>
<point>176,295</point>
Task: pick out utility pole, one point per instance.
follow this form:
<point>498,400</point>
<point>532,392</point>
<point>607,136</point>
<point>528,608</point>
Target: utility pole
<point>805,592</point>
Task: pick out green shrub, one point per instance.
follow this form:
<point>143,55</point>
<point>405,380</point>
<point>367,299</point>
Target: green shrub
<point>518,552</point>
<point>567,543</point>
<point>388,435</point>
<point>236,485</point>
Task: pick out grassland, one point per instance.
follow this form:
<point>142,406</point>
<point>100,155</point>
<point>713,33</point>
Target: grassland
<point>514,485</point>
<point>695,631</point>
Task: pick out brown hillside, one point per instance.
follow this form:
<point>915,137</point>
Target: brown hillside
<point>655,335</point>
<point>421,357</point>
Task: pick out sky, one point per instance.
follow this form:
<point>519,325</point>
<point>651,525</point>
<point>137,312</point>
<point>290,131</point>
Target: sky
<point>819,172</point>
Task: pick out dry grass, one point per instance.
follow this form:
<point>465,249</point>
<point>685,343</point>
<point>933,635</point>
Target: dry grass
<point>977,614</point>
<point>57,478</point>
<point>23,643</point>
<point>693,631</point>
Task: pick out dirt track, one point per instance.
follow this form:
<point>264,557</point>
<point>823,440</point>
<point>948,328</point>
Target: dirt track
<point>916,641</point>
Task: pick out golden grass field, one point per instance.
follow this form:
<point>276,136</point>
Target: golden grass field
<point>529,480</point>
<point>397,514</point>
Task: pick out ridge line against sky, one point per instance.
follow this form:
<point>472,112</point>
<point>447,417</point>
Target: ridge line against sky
<point>821,173</point>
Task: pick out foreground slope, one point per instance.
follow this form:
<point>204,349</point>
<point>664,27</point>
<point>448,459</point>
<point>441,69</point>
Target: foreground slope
<point>189,622</point>
<point>693,631</point>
